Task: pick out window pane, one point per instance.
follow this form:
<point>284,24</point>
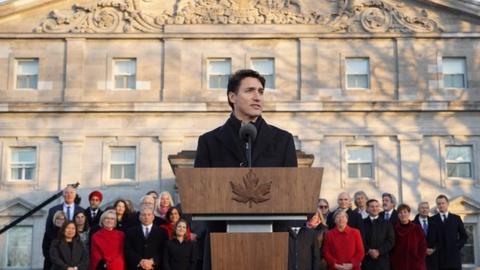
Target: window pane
<point>452,65</point>
<point>27,67</point>
<point>359,154</point>
<point>459,153</point>
<point>459,170</point>
<point>219,66</point>
<point>125,66</point>
<point>454,81</point>
<point>468,250</point>
<point>366,170</point>
<point>353,170</point>
<point>29,173</point>
<point>129,172</point>
<point>116,171</point>
<point>357,81</point>
<point>357,66</point>
<point>16,174</point>
<point>218,81</point>
<point>123,154</point>
<point>19,242</point>
<point>263,66</point>
<point>23,155</point>
<point>269,81</point>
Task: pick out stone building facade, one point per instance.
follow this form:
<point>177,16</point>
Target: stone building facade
<point>384,94</point>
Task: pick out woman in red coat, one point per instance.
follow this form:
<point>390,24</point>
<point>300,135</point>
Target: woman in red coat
<point>173,216</point>
<point>107,245</point>
<point>343,246</point>
<point>410,245</point>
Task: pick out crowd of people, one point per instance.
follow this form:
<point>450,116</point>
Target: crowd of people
<point>377,234</point>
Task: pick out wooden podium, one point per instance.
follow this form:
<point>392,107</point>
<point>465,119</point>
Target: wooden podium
<point>249,200</point>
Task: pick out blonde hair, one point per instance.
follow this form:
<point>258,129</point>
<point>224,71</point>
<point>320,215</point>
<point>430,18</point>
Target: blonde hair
<point>57,214</point>
<point>105,214</point>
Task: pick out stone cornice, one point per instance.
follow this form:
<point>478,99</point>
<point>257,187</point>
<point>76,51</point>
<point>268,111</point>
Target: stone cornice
<point>202,107</point>
<point>469,7</point>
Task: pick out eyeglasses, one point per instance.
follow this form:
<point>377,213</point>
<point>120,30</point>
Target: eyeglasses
<point>323,206</point>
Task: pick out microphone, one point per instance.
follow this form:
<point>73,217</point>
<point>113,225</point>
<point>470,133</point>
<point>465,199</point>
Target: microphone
<point>248,133</point>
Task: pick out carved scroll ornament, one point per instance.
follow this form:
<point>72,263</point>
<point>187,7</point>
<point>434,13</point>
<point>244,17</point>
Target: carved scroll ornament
<point>117,16</point>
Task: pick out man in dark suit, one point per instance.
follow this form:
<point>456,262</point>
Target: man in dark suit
<point>378,239</point>
<point>93,212</point>
<point>344,203</point>
<point>68,207</point>
<point>223,147</point>
<point>389,213</point>
<point>432,235</point>
<point>144,243</point>
<point>453,235</point>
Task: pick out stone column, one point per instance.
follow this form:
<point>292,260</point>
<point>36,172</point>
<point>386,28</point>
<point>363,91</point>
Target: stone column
<point>172,83</point>
<point>71,159</point>
<point>409,166</point>
<point>75,69</point>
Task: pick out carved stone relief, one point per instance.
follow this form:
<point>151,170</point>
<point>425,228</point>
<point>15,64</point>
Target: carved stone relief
<point>117,16</point>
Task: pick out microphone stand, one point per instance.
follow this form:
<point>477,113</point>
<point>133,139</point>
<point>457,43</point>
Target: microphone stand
<point>248,149</point>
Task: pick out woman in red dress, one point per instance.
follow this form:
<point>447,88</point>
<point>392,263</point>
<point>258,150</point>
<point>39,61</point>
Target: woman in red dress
<point>173,216</point>
<point>410,245</point>
<point>107,245</point>
<point>343,246</point>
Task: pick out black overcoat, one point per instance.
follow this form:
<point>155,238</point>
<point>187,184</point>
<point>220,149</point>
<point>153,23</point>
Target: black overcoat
<point>454,238</point>
<point>434,241</point>
<point>377,234</point>
<point>137,247</point>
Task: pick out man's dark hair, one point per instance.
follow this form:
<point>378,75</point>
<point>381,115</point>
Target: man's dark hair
<point>236,78</point>
<point>370,201</point>
<point>402,207</point>
<point>442,196</point>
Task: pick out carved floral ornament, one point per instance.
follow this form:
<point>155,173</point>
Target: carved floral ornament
<point>127,16</point>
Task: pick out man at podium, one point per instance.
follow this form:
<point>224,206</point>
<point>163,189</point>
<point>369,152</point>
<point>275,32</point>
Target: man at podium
<point>223,146</point>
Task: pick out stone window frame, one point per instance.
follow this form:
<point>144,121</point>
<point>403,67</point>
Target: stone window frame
<point>119,59</point>
<point>453,53</point>
<point>248,63</point>
<point>344,165</point>
<point>106,159</point>
<point>459,141</point>
<point>205,75</point>
<point>6,159</point>
<point>7,236</point>
<point>12,71</point>
<point>16,63</point>
<point>110,79</point>
<point>465,78</point>
<point>343,71</point>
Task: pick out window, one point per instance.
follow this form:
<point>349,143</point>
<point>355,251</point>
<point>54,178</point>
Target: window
<point>27,74</point>
<point>357,71</point>
<point>219,71</point>
<point>266,68</point>
<point>19,247</point>
<point>23,163</point>
<point>125,71</point>
<point>459,161</point>
<point>468,250</point>
<point>122,163</point>
<point>454,72</point>
<point>360,161</point>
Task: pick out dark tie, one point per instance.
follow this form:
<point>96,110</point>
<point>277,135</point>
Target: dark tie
<point>146,232</point>
<point>425,226</point>
<point>69,212</point>
<point>444,218</point>
<point>387,216</point>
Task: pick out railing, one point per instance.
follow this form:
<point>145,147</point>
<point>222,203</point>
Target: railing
<point>38,207</point>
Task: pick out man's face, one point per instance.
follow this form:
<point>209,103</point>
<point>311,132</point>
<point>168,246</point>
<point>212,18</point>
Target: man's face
<point>94,202</point>
<point>423,209</point>
<point>248,101</point>
<point>343,201</point>
<point>69,195</point>
<point>442,205</point>
<point>373,208</point>
<point>360,201</point>
<point>387,203</point>
<point>146,217</point>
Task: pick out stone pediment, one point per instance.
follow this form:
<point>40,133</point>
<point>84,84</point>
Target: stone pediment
<point>464,205</point>
<point>18,207</point>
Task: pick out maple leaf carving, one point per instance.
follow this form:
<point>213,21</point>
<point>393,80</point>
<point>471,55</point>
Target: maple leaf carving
<point>251,190</point>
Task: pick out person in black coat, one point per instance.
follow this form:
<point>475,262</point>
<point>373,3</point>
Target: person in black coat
<point>453,235</point>
<point>180,253</point>
<point>69,207</point>
<point>67,251</point>
<point>223,147</point>
<point>378,239</point>
<point>354,219</point>
<point>93,212</point>
<point>303,249</point>
<point>51,234</point>
<point>144,244</point>
<point>389,213</point>
<point>432,235</point>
